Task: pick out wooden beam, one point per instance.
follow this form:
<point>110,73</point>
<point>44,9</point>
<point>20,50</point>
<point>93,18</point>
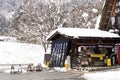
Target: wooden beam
<point>108,10</point>
<point>114,7</point>
<point>112,13</point>
<point>110,4</point>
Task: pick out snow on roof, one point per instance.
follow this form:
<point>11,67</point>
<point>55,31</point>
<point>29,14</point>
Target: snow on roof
<point>98,21</point>
<point>8,38</point>
<point>78,32</point>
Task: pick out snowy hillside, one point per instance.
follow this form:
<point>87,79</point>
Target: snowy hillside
<point>15,53</point>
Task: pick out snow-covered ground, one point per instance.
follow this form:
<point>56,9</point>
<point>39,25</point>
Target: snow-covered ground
<point>20,53</point>
<point>113,74</point>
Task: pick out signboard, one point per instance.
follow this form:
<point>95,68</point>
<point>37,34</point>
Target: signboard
<point>98,55</point>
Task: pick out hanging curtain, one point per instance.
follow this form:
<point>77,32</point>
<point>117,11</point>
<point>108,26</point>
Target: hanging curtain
<point>59,52</point>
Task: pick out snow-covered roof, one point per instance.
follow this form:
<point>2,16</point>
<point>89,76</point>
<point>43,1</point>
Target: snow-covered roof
<point>8,38</point>
<point>78,32</point>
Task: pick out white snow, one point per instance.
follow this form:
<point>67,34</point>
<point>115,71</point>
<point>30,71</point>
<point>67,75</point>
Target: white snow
<point>108,75</point>
<point>104,4</point>
<point>78,32</point>
<point>85,14</point>
<point>20,53</point>
<point>94,10</point>
<point>58,2</point>
<point>8,38</point>
<point>63,69</point>
<point>8,71</point>
<point>97,22</point>
<point>9,15</point>
<point>112,20</point>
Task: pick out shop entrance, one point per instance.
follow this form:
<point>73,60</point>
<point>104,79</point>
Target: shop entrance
<point>95,55</point>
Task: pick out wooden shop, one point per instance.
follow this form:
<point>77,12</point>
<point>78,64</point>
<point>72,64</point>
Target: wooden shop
<point>85,47</point>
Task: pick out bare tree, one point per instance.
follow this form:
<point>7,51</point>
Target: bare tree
<point>34,19</point>
<point>85,12</point>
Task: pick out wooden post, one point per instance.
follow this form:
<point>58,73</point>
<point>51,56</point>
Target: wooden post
<point>74,50</point>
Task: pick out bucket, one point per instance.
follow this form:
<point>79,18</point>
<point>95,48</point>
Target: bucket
<point>66,66</point>
<point>48,63</point>
<point>108,62</point>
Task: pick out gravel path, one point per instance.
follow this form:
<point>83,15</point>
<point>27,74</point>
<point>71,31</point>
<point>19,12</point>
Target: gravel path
<point>43,75</point>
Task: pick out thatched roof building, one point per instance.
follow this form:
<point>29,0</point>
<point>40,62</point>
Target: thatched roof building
<point>110,15</point>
